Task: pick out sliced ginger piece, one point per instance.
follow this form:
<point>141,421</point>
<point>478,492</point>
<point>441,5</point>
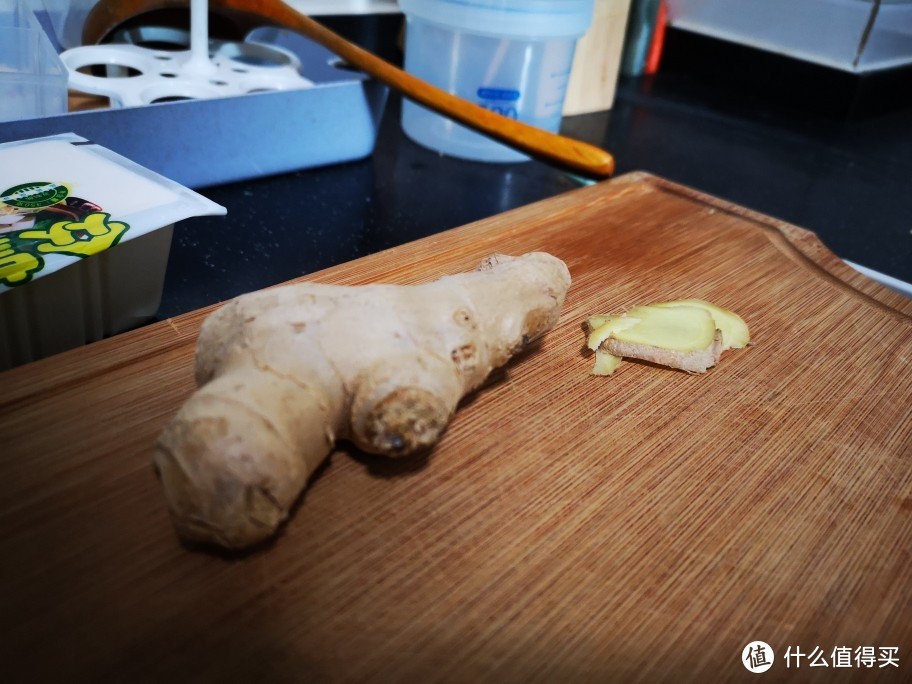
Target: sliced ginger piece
<point>692,361</point>
<point>687,334</point>
<point>735,334</point>
<point>594,322</point>
<point>605,363</point>
<point>679,337</point>
<point>683,328</point>
<point>600,329</point>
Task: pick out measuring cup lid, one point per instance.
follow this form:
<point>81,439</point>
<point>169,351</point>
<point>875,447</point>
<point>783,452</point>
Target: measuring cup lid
<point>508,18</point>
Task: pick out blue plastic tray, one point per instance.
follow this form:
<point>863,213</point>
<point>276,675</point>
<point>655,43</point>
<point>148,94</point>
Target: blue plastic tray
<point>208,142</point>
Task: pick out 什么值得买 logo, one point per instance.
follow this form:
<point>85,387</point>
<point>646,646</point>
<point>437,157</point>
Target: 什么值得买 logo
<point>757,656</point>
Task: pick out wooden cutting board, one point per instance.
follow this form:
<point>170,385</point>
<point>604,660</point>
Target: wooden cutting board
<point>643,527</point>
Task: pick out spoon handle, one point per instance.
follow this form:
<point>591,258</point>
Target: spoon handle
<point>566,153</point>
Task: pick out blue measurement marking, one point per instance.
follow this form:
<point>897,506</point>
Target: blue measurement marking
<point>505,94</point>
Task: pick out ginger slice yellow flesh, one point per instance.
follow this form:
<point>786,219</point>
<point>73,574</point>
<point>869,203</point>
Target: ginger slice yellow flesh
<point>686,334</point>
<point>284,372</point>
<point>605,363</point>
<point>683,329</point>
<point>603,327</point>
<point>735,334</point>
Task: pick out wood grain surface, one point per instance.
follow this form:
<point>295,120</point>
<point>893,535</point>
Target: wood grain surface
<point>643,527</point>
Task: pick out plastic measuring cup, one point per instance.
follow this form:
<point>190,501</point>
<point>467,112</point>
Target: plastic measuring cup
<point>511,56</point>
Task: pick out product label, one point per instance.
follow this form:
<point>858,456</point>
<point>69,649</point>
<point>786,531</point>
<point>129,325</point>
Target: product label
<point>502,101</point>
<point>34,195</point>
<point>39,219</point>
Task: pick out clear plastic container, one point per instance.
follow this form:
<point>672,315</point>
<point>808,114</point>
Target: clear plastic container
<point>33,80</point>
<point>511,56</point>
<point>851,35</point>
<point>67,18</point>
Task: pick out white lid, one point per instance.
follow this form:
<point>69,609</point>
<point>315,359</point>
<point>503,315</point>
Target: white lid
<point>508,18</point>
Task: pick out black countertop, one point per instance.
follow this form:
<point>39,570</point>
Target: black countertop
<point>847,178</point>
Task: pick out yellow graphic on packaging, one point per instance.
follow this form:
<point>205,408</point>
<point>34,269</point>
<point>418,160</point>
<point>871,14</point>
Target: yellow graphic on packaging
<point>16,268</point>
<point>21,252</point>
<point>93,234</point>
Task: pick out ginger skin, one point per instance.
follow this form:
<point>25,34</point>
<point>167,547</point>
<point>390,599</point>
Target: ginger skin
<point>285,372</point>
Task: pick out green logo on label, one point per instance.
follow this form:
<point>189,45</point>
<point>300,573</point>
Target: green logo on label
<point>34,195</point>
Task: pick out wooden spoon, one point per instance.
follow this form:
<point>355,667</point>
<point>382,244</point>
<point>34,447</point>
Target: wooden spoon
<point>566,153</point>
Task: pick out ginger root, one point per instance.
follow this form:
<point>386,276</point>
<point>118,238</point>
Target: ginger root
<point>283,373</point>
<point>688,334</point>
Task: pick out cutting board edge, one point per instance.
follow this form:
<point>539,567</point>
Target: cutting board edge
<point>804,243</point>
